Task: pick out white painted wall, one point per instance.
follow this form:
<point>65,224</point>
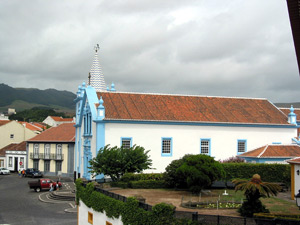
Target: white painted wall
<point>297,178</point>
<point>13,155</point>
<point>98,218</point>
<point>186,139</point>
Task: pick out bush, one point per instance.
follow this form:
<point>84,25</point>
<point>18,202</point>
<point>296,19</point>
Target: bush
<point>194,172</point>
<point>141,176</point>
<point>147,184</point>
<point>269,172</point>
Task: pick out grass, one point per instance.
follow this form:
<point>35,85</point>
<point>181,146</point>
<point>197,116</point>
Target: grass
<point>274,204</point>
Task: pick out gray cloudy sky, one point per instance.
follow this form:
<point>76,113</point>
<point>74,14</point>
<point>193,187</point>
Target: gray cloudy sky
<point>205,47</point>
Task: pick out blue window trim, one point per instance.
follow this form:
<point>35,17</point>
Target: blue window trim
<point>126,138</point>
<point>237,146</point>
<point>209,149</point>
<point>171,147</point>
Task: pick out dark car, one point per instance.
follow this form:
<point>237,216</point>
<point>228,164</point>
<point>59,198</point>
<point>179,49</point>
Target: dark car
<point>33,173</point>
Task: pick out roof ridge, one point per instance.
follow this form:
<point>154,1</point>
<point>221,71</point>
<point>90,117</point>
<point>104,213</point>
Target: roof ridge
<point>184,95</point>
<point>263,151</point>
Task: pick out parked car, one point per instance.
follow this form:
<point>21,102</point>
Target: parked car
<point>33,173</point>
<point>42,184</point>
<point>4,170</point>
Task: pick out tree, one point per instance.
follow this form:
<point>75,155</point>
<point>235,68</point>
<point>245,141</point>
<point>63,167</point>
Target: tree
<point>117,161</point>
<point>194,172</point>
<point>253,191</point>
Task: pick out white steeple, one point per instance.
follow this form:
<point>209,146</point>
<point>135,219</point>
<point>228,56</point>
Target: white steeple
<point>96,76</point>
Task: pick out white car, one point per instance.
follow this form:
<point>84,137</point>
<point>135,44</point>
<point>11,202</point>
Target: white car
<point>4,171</point>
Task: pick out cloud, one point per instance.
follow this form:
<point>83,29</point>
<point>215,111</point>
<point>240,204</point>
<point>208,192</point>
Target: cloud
<point>218,48</point>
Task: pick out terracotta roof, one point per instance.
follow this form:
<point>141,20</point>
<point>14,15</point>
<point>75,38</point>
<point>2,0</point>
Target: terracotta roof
<point>31,126</point>
<point>7,147</point>
<point>60,119</point>
<point>3,122</point>
<point>159,107</point>
<point>287,111</point>
<point>62,133</point>
<point>295,160</point>
<point>274,151</point>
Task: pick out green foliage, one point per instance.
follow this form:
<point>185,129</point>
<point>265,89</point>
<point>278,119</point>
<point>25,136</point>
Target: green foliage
<point>35,114</point>
<point>253,190</point>
<point>194,172</point>
<point>161,214</point>
<point>141,176</point>
<point>269,172</point>
<point>233,159</point>
<point>115,162</point>
<point>147,184</point>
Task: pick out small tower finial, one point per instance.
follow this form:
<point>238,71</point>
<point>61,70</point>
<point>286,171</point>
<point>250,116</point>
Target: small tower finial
<point>97,47</point>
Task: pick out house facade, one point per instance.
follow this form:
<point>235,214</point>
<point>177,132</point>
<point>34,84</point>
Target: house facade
<point>13,132</point>
<point>54,121</point>
<point>52,151</point>
<point>171,126</point>
<point>13,156</point>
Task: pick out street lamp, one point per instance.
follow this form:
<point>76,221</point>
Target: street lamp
<point>297,196</point>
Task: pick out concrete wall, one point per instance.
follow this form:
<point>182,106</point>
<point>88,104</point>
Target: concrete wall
<point>98,218</point>
<point>19,132</point>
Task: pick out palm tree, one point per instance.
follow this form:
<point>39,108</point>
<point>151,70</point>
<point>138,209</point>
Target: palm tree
<point>253,190</point>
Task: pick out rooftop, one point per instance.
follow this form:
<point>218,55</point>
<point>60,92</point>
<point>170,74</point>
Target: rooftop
<point>273,151</point>
<point>62,133</point>
<point>161,107</point>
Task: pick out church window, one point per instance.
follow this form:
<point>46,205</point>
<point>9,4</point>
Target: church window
<point>241,146</point>
<point>166,147</point>
<point>205,146</point>
<point>126,142</point>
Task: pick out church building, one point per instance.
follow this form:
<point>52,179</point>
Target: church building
<point>170,125</point>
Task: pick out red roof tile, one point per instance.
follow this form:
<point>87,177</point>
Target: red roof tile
<point>159,107</point>
<point>274,151</point>
<point>3,122</point>
<point>287,111</point>
<point>13,147</point>
<point>62,133</point>
<point>60,119</point>
<point>295,160</point>
<point>31,126</point>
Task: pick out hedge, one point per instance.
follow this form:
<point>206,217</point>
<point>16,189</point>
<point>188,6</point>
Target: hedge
<point>141,176</point>
<point>140,184</point>
<point>268,172</point>
<point>161,214</point>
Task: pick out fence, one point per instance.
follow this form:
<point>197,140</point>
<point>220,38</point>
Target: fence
<point>205,219</point>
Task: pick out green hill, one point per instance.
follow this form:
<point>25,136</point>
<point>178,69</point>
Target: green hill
<point>27,98</point>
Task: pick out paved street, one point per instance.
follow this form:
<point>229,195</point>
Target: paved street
<point>21,205</point>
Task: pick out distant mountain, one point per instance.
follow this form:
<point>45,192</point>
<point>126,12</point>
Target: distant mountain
<point>27,98</point>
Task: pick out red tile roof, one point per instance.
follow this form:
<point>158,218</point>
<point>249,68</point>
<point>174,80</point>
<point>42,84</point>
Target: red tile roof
<point>159,107</point>
<point>13,147</point>
<point>294,161</point>
<point>287,111</point>
<point>32,126</point>
<point>60,119</point>
<point>62,133</point>
<point>274,151</point>
<point>3,122</point>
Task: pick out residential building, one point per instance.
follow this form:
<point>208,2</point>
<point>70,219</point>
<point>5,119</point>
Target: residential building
<point>35,127</point>
<point>52,151</point>
<point>295,176</point>
<point>171,126</point>
<point>272,153</point>
<point>13,132</point>
<point>15,155</point>
<point>54,121</point>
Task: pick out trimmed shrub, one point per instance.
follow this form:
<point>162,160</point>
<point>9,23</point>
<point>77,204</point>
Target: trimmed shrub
<point>147,184</point>
<point>268,172</point>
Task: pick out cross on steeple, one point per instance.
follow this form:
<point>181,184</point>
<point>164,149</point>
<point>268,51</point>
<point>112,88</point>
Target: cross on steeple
<point>89,79</point>
<point>97,47</point>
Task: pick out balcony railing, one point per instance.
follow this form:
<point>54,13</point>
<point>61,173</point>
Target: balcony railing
<point>45,156</point>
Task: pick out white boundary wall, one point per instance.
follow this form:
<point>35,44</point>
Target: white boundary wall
<point>98,217</point>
